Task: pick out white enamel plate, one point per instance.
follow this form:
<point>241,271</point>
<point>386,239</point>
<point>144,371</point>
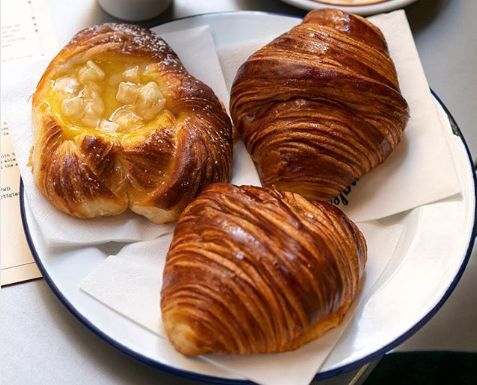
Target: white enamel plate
<point>409,293</point>
<point>361,7</point>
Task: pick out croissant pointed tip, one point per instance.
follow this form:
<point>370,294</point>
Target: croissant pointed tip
<point>183,337</point>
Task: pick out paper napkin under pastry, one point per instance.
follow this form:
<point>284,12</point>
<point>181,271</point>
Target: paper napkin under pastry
<point>197,53</point>
<point>130,283</point>
<point>420,170</point>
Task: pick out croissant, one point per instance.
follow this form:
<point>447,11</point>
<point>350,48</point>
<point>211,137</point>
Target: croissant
<point>255,270</point>
<point>320,105</point>
<point>119,123</point>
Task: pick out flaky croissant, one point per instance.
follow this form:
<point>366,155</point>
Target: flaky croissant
<point>319,106</point>
<point>119,122</point>
<point>255,270</point>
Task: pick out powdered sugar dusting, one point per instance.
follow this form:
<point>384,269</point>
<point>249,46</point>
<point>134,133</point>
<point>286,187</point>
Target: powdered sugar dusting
<point>130,38</point>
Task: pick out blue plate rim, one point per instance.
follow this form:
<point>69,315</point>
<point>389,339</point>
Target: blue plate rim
<point>217,380</point>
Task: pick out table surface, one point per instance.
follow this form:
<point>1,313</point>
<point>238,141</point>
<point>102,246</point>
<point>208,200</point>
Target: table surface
<point>42,343</point>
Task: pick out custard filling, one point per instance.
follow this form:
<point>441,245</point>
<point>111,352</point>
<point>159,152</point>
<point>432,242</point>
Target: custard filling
<point>110,97</point>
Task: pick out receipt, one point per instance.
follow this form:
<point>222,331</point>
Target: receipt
<point>26,30</point>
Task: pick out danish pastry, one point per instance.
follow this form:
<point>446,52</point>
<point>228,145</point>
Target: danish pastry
<point>119,123</point>
<point>320,105</point>
<point>255,270</point>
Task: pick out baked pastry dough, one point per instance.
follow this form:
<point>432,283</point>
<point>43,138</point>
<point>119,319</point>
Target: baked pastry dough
<point>120,123</point>
<point>320,105</point>
<point>255,270</point>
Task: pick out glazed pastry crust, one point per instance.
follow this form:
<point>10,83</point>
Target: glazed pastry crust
<point>319,106</point>
<point>118,123</point>
<point>255,270</point>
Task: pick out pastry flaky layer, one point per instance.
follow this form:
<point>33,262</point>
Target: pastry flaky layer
<point>255,270</point>
<point>319,106</point>
<point>119,122</point>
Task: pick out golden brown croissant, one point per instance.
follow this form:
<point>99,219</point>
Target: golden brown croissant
<point>120,123</point>
<point>255,270</point>
<point>320,105</point>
